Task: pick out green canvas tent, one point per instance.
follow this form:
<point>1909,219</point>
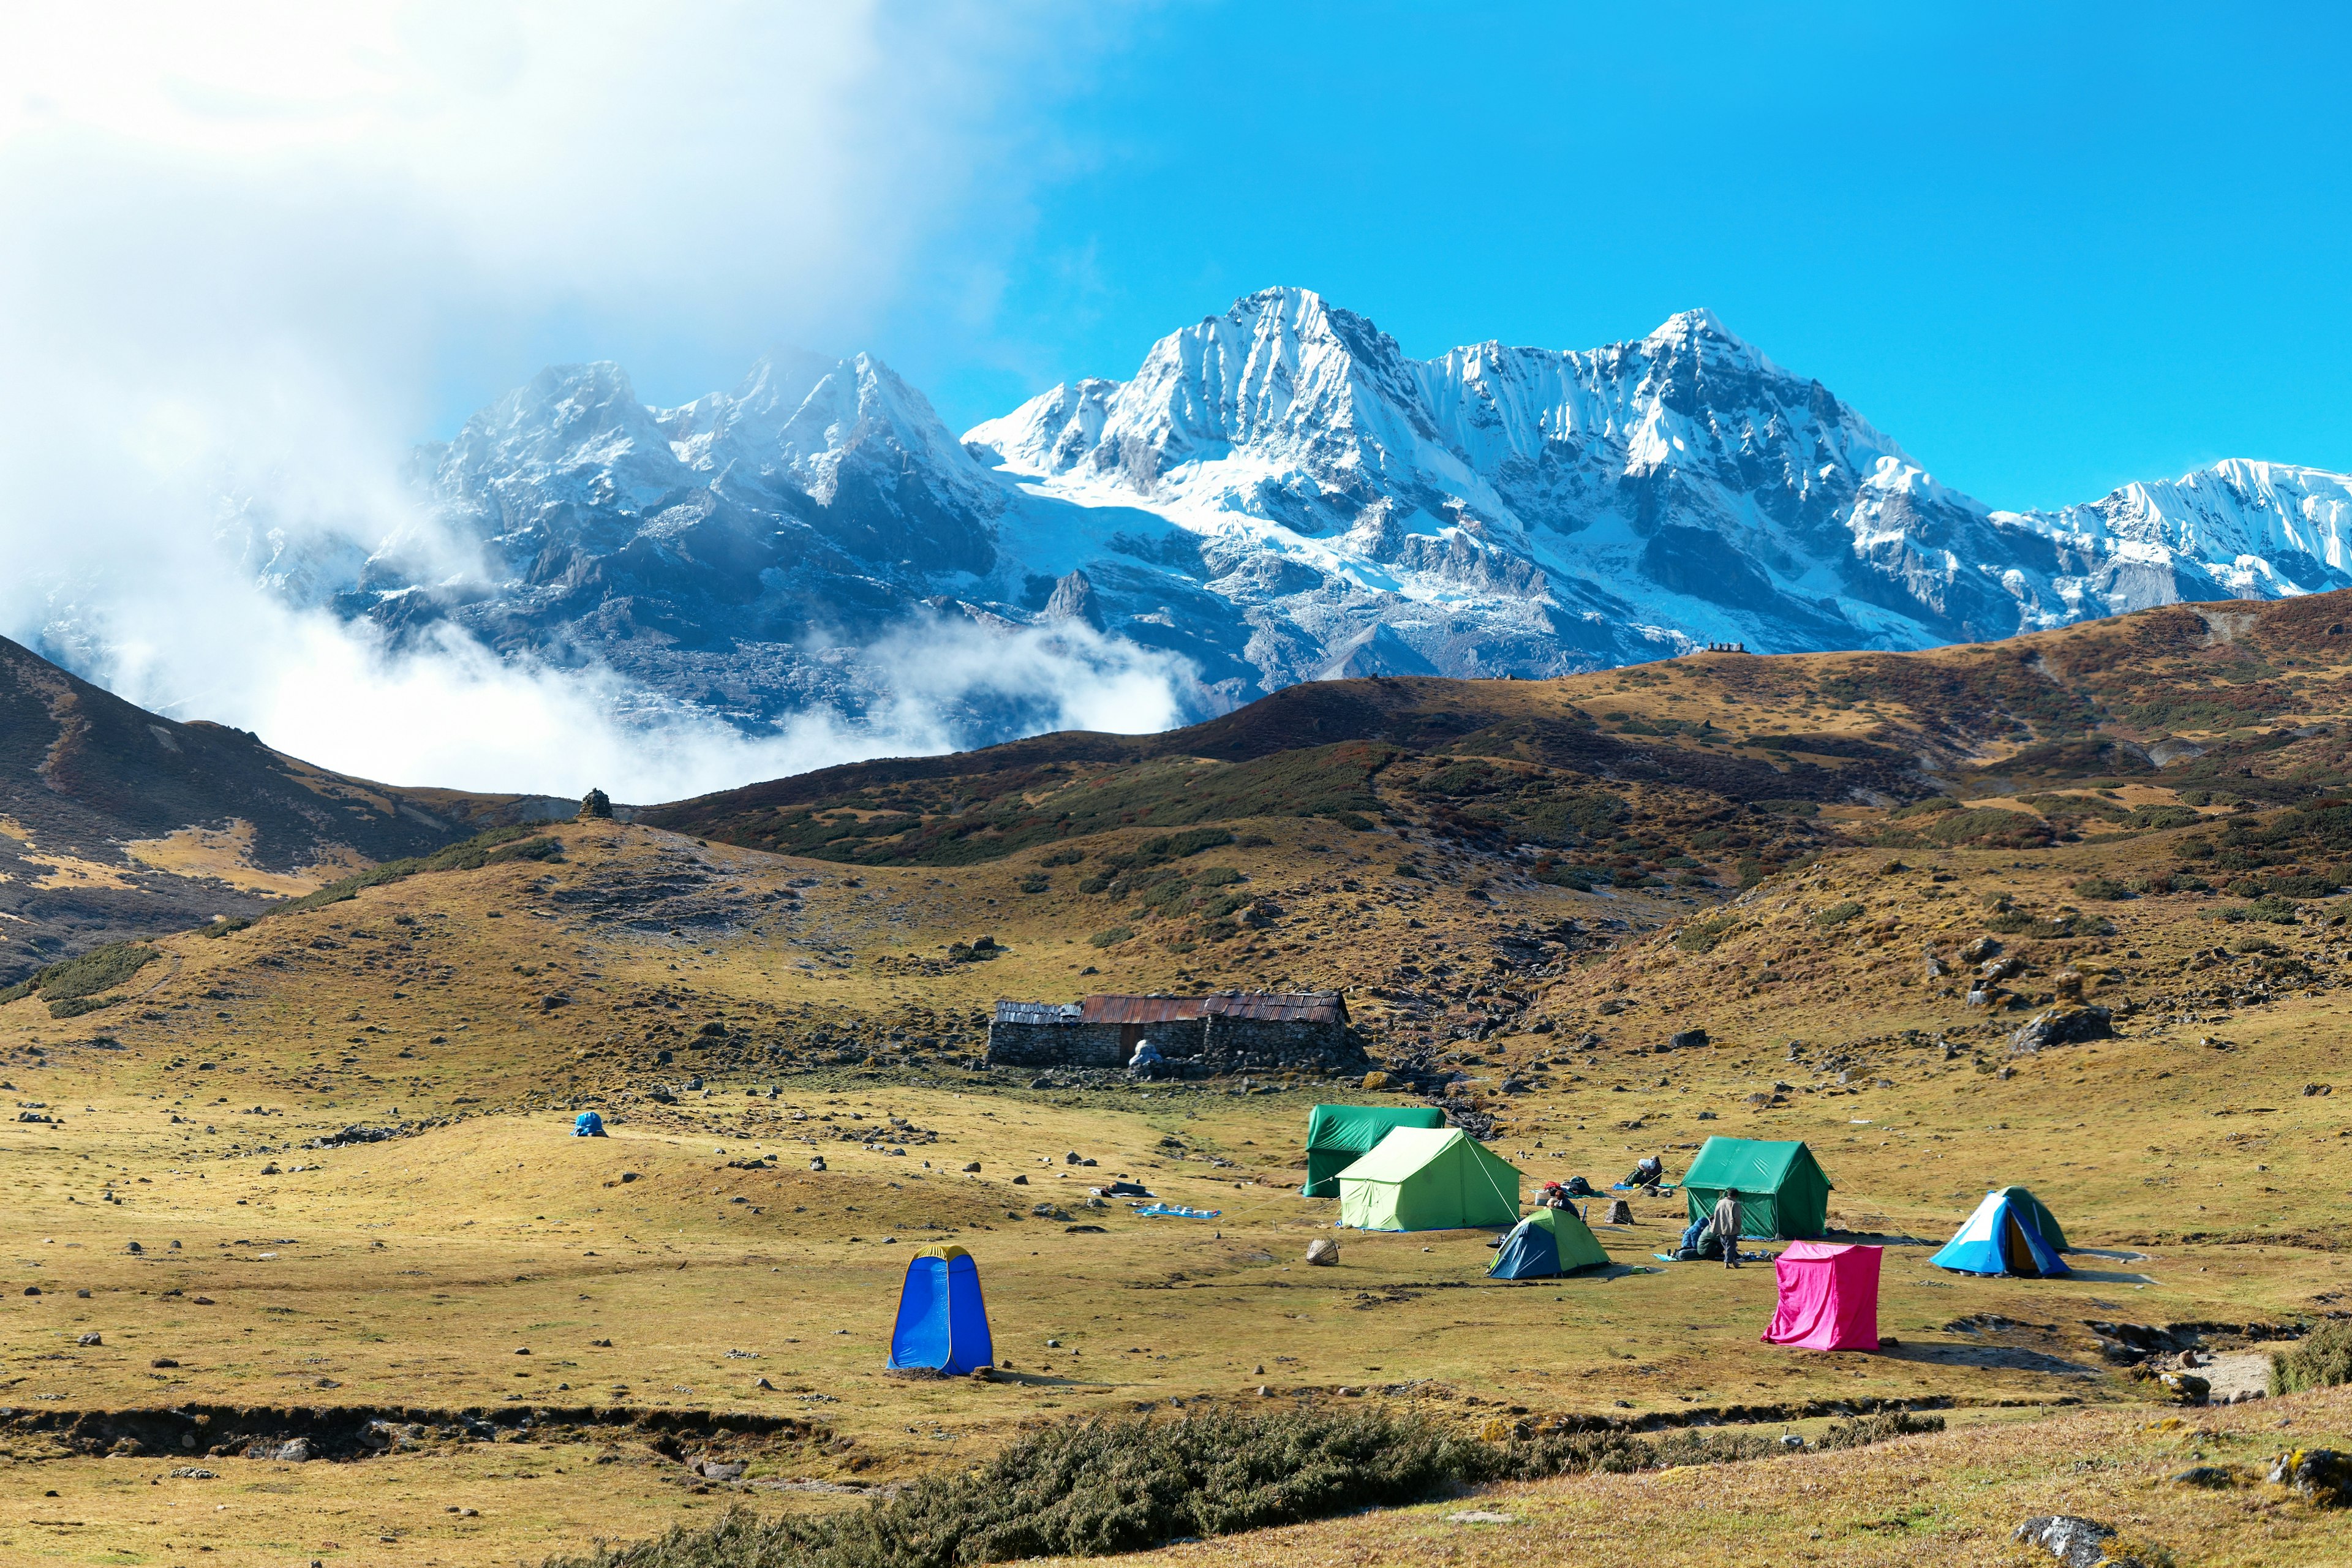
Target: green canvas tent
<point>1429,1178</point>
<point>1784,1193</point>
<point>1339,1135</point>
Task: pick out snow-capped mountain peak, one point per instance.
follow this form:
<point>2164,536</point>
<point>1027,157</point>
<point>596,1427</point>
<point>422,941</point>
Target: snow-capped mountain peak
<point>1280,492</point>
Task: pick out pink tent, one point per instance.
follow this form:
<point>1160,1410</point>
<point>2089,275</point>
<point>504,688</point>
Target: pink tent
<point>1829,1298</point>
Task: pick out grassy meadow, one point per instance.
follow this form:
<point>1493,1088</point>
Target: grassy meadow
<point>553,1334</point>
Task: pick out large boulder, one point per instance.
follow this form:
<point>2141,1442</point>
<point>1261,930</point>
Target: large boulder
<point>2060,1026</point>
<point>2323,1475</point>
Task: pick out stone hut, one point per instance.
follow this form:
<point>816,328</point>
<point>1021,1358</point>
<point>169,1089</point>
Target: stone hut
<point>1233,1031</point>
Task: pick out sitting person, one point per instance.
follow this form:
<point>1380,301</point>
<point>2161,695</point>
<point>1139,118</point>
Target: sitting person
<point>1553,1196</point>
<point>1699,1242</point>
<point>1648,1174</point>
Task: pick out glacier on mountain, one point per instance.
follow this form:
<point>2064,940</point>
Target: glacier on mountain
<point>1278,494</point>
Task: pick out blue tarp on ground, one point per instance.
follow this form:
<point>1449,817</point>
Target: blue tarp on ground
<point>2004,1237</point>
<point>589,1125</point>
<point>942,1321</point>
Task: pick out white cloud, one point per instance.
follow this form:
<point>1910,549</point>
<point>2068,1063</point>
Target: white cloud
<point>244,248</point>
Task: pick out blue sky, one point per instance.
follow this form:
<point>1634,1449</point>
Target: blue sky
<point>252,253</point>
<point>2049,248</point>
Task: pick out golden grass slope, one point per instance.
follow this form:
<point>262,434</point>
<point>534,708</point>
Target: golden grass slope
<point>410,1272</point>
<point>473,1012</point>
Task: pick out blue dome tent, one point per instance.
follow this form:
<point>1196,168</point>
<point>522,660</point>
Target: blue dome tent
<point>2011,1233</point>
<point>1548,1242</point>
<point>588,1125</point>
<point>942,1321</point>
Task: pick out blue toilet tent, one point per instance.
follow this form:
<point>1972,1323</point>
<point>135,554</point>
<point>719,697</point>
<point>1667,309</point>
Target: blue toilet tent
<point>588,1125</point>
<point>2004,1237</point>
<point>942,1323</point>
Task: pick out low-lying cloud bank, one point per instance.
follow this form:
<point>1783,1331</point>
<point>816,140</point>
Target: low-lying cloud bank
<point>248,251</point>
<point>449,712</point>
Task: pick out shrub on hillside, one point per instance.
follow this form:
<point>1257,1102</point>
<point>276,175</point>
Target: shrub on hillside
<point>1837,914</point>
<point>2321,1360</point>
<point>1094,1488</point>
<point>2106,888</point>
<point>99,969</point>
<point>1701,936</point>
<point>493,848</point>
<point>1865,1430</point>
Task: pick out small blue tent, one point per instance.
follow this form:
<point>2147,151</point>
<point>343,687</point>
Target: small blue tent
<point>2006,1236</point>
<point>1547,1243</point>
<point>942,1323</point>
<point>589,1125</point>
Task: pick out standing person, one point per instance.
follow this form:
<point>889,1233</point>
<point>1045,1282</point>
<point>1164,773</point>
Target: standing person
<point>1726,1226</point>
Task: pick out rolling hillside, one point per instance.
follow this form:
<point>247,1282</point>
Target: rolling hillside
<point>1835,898</point>
<point>116,822</point>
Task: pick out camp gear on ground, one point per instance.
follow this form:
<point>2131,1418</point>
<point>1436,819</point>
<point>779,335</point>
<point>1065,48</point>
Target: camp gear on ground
<point>1578,1187</point>
<point>588,1125</point>
<point>1783,1191</point>
<point>1548,1241</point>
<point>942,1321</point>
<point>1339,1135</point>
<point>2004,1235</point>
<point>1829,1298</point>
<point>1429,1178</point>
<point>1177,1211</point>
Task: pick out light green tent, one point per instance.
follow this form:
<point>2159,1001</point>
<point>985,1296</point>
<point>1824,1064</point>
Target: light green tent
<point>1339,1135</point>
<point>1432,1178</point>
<point>1784,1194</point>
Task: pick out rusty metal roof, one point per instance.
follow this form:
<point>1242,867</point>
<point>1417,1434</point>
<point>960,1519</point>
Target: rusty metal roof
<point>1009,1012</point>
<point>1274,1006</point>
<point>1139,1009</point>
<point>1279,1007</point>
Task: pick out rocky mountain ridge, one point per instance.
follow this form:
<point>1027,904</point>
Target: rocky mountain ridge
<point>1278,494</point>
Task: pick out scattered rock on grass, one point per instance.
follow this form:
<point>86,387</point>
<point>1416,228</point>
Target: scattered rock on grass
<point>2209,1476</point>
<point>2076,1542</point>
<point>2323,1475</point>
<point>2060,1026</point>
